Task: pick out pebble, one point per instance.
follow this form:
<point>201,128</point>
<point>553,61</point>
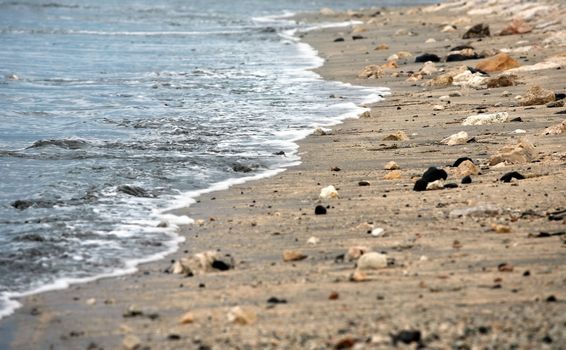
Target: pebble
<point>455,94</point>
<point>427,57</point>
<point>396,136</point>
<point>241,316</point>
<point>510,176</point>
<point>372,261</point>
<point>522,152</point>
<point>477,31</point>
<point>506,93</point>
<point>406,337</point>
<point>441,81</point>
<point>500,62</point>
<point>319,210</point>
<point>313,240</point>
<point>536,95</point>
<point>466,168</point>
<point>334,296</point>
<point>372,71</point>
<point>392,175</point>
<point>556,129</point>
<point>378,232</point>
<point>475,211</point>
<point>91,301</point>
<point>435,185</point>
<point>438,107</point>
<point>363,183</point>
<point>391,165</point>
<point>499,228</point>
<point>293,255</point>
<point>131,342</point>
<point>328,192</point>
<point>187,318</point>
<point>358,276</point>
<point>356,252</point>
<point>460,138</point>
<point>485,119</point>
<point>467,180</point>
<point>444,98</point>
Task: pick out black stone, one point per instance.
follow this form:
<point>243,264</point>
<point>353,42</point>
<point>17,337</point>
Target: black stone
<point>517,120</point>
<point>280,153</point>
<point>477,31</point>
<point>420,185</point>
<point>407,337</point>
<point>427,57</point>
<point>221,265</point>
<point>551,299</point>
<point>511,175</point>
<point>358,37</point>
<point>174,337</point>
<point>135,191</point>
<point>467,180</point>
<point>319,210</point>
<point>450,185</point>
<point>432,174</point>
<point>557,215</point>
<point>456,57</point>
<point>462,47</point>
<point>240,168</point>
<point>559,96</point>
<point>338,40</point>
<point>275,300</point>
<point>460,161</point>
<point>476,70</point>
<point>363,183</point>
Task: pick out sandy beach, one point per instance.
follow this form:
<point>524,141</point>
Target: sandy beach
<point>455,265</point>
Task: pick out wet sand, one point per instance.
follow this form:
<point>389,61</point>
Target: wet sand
<point>452,281</point>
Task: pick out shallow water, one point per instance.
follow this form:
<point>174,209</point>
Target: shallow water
<point>112,113</point>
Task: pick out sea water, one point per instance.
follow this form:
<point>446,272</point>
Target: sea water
<point>112,112</point>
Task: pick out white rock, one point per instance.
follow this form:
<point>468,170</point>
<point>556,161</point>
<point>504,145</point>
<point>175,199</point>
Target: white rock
<point>241,316</point>
<point>519,131</point>
<point>372,261</point>
<point>428,68</point>
<point>377,232</point>
<point>391,165</point>
<point>313,240</point>
<point>435,185</point>
<point>472,80</point>
<point>430,41</point>
<point>91,301</point>
<point>444,98</point>
<point>459,138</point>
<point>328,192</point>
<point>506,93</point>
<point>325,11</point>
<point>484,119</point>
<point>393,57</point>
<point>448,29</point>
<point>438,107</point>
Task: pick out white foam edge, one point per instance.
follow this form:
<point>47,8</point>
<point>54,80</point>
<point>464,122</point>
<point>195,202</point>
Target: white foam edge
<point>186,199</point>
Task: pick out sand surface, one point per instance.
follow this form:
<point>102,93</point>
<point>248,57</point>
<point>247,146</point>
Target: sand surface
<point>452,281</point>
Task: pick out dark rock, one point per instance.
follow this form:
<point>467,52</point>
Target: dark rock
<point>433,174</point>
<point>280,153</point>
<point>517,120</point>
<point>275,300</point>
<point>223,263</point>
<point>467,180</point>
<point>450,185</point>
<point>561,112</point>
<point>173,337</point>
<point>240,168</point>
<point>346,343</point>
<point>551,299</point>
<point>338,40</point>
<point>269,30</point>
<point>559,96</point>
<point>557,215</point>
<point>555,104</point>
<point>319,210</point>
<point>511,175</point>
<point>427,57</point>
<point>474,70</point>
<point>358,37</point>
<point>36,203</point>
<point>544,234</point>
<point>527,273</point>
<point>406,337</point>
<point>477,31</point>
<point>363,183</point>
<point>135,191</point>
<point>420,185</point>
<point>457,57</point>
<point>66,144</point>
<point>32,237</point>
<point>460,161</point>
<point>335,168</point>
<point>462,47</point>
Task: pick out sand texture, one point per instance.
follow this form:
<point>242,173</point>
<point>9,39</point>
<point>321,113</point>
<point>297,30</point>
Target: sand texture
<point>473,267</point>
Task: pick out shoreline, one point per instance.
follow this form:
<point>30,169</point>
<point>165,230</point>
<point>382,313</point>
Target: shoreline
<point>257,221</point>
<point>183,201</point>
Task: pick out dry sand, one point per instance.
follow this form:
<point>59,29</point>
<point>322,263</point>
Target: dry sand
<point>453,282</point>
